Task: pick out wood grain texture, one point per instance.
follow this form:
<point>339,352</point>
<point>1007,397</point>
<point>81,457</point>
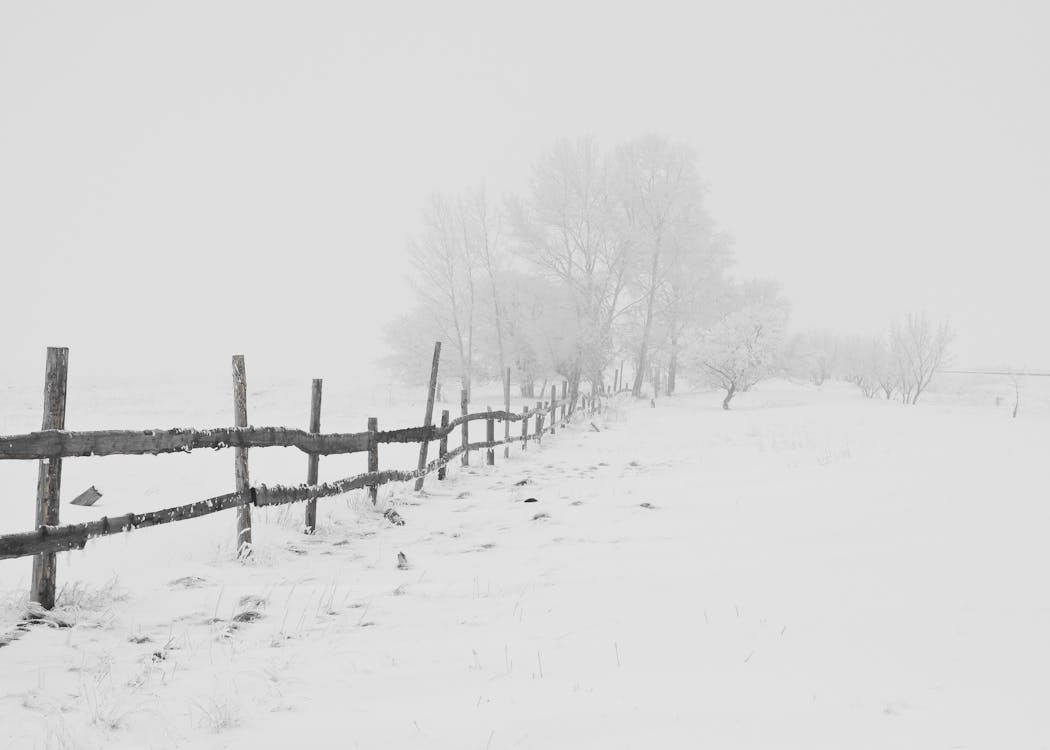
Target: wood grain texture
<point>49,476</point>
<point>428,414</point>
<point>313,460</point>
<point>240,458</point>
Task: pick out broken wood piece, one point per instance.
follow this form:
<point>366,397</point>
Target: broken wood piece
<point>88,497</point>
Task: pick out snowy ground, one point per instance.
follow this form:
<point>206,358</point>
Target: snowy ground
<point>810,570</point>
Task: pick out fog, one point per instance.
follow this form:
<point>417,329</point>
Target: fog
<point>180,182</point>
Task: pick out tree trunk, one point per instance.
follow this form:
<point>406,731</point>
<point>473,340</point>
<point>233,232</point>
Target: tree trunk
<point>672,367</point>
<point>729,397</point>
<point>643,349</point>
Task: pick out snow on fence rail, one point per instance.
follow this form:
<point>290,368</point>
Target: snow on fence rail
<point>53,443</point>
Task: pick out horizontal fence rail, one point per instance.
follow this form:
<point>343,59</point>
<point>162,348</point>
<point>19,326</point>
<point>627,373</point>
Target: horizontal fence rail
<point>48,444</point>
<point>53,443</point>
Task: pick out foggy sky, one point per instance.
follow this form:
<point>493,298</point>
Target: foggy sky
<point>184,181</point>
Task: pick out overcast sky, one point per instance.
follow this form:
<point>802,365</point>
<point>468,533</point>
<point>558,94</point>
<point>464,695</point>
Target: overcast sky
<point>181,181</point>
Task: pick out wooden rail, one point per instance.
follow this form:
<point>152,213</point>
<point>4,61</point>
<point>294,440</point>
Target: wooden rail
<point>48,444</point>
<point>51,444</point>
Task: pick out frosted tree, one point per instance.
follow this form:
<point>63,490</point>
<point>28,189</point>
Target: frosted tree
<point>446,279</point>
<point>919,350</point>
<point>663,202</point>
<point>742,348</point>
<point>570,229</point>
<point>820,355</point>
<point>865,362</point>
<point>695,290</point>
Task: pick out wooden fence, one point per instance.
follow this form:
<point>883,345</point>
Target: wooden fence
<point>53,443</point>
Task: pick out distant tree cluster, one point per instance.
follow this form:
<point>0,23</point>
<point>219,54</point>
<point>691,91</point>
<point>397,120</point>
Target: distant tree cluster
<point>608,262</point>
<point>901,364</point>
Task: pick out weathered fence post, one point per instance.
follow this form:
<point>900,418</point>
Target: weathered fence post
<point>506,408</point>
<point>373,456</point>
<point>564,397</point>
<point>490,436</point>
<point>49,475</point>
<point>464,428</point>
<point>539,421</point>
<point>525,428</point>
<point>313,460</point>
<point>428,416</point>
<point>240,459</point>
<point>443,444</point>
<point>554,407</point>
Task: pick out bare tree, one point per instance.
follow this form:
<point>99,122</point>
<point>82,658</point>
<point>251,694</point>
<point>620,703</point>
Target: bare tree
<point>661,197</point>
<point>570,228</point>
<point>919,351</point>
<point>446,278</point>
<point>741,349</point>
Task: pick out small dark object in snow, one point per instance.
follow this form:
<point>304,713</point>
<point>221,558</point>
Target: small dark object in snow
<point>539,516</point>
<point>188,582</point>
<point>522,483</point>
<point>594,427</point>
<point>88,497</point>
<point>248,615</point>
<point>531,500</point>
<point>576,502</point>
<point>652,402</point>
<point>650,506</point>
<point>402,561</point>
<point>392,516</point>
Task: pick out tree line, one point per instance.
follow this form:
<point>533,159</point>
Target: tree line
<point>609,262</point>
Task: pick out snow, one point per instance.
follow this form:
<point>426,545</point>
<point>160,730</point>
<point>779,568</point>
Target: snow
<point>810,569</point>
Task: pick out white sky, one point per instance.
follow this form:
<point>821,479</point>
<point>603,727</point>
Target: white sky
<point>182,181</point>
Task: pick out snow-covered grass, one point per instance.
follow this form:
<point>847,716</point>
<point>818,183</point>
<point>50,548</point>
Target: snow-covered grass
<point>809,570</point>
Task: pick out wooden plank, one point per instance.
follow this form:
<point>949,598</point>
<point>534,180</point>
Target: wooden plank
<point>373,457</point>
<point>313,460</point>
<point>240,458</point>
<point>554,407</point>
<point>490,436</point>
<point>443,444</point>
<point>539,422</point>
<point>428,416</point>
<point>49,475</point>
<point>62,444</point>
<point>525,428</point>
<point>57,539</point>
<point>88,497</point>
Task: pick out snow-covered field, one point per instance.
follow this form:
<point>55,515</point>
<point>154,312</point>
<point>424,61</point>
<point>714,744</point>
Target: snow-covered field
<point>809,570</point>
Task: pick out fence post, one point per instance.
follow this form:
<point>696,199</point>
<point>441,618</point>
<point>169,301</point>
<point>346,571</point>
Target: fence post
<point>539,422</point>
<point>554,407</point>
<point>373,456</point>
<point>240,459</point>
<point>428,416</point>
<point>443,444</point>
<point>464,428</point>
<point>564,396</point>
<point>506,408</point>
<point>49,475</point>
<point>313,460</point>
<point>525,428</point>
<point>490,436</point>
